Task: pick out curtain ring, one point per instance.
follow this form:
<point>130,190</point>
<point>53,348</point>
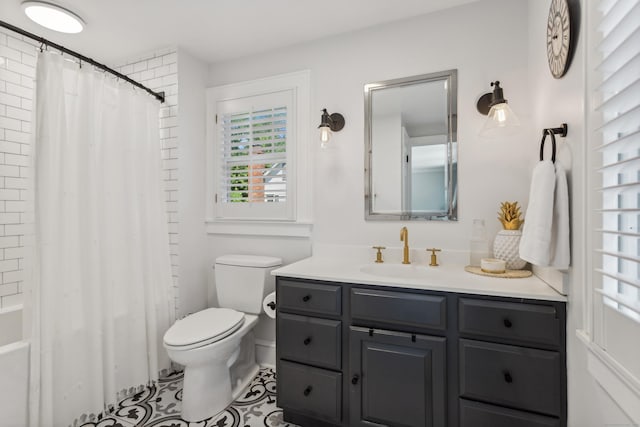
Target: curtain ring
<point>549,132</point>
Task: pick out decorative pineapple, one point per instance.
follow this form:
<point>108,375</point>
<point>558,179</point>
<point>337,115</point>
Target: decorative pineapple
<point>507,242</point>
<point>510,216</point>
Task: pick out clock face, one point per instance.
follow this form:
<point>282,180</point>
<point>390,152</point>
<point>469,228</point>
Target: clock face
<point>558,37</point>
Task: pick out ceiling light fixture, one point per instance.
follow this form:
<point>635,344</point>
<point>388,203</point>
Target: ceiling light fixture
<point>53,17</point>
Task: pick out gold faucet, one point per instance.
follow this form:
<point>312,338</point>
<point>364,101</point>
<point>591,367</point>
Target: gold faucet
<point>404,237</point>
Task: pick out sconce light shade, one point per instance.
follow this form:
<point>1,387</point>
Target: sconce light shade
<point>329,123</point>
<point>495,107</point>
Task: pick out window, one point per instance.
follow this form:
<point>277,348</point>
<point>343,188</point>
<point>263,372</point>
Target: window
<point>614,125</point>
<point>258,169</point>
<point>252,157</point>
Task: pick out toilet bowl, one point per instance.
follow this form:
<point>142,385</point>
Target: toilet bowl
<point>207,388</point>
<point>216,345</point>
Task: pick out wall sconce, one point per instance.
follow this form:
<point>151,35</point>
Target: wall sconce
<point>495,107</point>
<point>329,123</point>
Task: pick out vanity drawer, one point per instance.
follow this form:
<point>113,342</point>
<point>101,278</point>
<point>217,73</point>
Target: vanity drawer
<point>370,307</point>
<point>521,323</point>
<point>518,377</point>
<point>307,297</point>
<point>476,414</point>
<point>310,340</point>
<point>310,391</point>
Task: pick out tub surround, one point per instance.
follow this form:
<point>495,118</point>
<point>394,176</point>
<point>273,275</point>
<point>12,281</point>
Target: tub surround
<point>14,365</point>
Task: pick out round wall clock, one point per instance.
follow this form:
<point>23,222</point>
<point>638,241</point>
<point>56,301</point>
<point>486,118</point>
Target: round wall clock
<point>558,37</point>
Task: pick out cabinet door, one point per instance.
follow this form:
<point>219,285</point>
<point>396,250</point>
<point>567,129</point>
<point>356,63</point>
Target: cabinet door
<point>397,379</point>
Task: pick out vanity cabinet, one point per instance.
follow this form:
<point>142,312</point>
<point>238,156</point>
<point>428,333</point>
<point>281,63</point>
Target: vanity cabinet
<point>512,363</point>
<point>365,355</point>
<point>397,379</point>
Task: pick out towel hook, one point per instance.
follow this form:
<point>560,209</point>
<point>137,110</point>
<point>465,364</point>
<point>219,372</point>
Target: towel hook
<point>562,131</point>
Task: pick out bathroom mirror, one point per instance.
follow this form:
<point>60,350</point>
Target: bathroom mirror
<point>411,148</point>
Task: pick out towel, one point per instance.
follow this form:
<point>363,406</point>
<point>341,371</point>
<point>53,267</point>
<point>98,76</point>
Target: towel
<point>560,253</point>
<point>535,244</point>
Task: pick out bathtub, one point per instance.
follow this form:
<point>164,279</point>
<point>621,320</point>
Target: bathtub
<point>14,369</point>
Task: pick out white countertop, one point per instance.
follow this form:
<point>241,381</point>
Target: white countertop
<point>447,278</point>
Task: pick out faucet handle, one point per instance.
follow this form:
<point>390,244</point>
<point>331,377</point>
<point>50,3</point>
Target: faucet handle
<point>434,257</point>
<point>379,254</point>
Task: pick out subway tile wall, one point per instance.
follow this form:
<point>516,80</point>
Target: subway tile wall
<point>157,70</point>
<point>17,74</point>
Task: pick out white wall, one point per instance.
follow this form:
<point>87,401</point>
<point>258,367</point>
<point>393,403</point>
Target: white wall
<point>194,260</point>
<point>340,66</point>
<point>556,101</point>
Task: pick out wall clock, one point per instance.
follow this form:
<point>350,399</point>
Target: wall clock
<point>558,37</point>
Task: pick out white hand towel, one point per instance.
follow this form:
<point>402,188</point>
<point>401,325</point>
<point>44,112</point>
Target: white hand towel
<point>536,235</point>
<point>560,252</point>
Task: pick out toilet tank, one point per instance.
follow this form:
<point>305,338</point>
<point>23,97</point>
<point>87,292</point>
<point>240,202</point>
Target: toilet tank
<point>242,281</point>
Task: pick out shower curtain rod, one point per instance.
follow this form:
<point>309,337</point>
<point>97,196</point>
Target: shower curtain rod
<point>158,95</point>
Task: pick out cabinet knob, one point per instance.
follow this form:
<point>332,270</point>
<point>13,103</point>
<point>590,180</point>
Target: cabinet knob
<point>507,323</point>
<point>307,391</point>
<point>306,298</point>
<point>307,341</point>
<point>354,379</point>
<point>507,377</point>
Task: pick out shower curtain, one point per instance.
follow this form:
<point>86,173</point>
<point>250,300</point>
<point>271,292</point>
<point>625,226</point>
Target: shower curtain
<point>99,282</point>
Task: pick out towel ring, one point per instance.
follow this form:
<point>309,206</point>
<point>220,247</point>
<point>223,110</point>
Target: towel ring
<point>553,144</point>
<point>562,131</point>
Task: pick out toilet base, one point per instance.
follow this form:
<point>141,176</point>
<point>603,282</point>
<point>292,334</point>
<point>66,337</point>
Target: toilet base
<point>216,374</point>
<point>206,391</point>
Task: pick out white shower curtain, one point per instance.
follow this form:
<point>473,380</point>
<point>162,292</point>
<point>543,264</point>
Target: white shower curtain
<point>100,284</point>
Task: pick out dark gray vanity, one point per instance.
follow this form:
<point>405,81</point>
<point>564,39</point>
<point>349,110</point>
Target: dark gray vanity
<point>364,355</point>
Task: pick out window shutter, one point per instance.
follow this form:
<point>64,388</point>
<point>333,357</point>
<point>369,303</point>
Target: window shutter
<point>253,157</point>
<point>617,162</point>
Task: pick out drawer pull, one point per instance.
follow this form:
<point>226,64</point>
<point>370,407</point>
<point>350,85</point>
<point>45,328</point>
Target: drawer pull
<point>307,391</point>
<point>507,323</point>
<point>507,377</point>
<point>354,379</point>
<point>307,341</point>
<point>306,298</point>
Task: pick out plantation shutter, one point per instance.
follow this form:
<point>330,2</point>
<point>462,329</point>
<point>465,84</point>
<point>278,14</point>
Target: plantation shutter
<point>616,168</point>
<point>253,157</point>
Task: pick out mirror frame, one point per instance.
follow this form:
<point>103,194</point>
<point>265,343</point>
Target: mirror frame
<point>451,76</point>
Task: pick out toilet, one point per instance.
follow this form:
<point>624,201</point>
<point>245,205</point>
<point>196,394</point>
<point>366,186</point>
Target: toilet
<point>216,345</point>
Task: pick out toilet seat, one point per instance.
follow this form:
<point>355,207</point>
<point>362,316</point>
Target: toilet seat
<point>203,328</point>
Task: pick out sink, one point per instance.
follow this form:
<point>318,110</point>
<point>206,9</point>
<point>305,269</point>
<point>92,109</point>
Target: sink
<point>399,271</point>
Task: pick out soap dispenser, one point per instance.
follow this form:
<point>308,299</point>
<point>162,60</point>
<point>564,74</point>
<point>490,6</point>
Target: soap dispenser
<point>479,245</point>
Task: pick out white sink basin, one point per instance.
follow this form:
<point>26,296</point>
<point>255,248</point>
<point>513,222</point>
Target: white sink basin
<point>399,271</point>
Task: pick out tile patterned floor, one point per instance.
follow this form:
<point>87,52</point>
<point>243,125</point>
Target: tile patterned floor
<point>159,406</point>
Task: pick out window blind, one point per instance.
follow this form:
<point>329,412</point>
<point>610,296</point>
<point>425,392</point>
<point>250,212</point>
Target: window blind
<point>254,156</point>
<point>617,162</point>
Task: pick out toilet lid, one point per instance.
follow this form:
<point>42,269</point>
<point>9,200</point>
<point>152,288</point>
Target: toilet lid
<point>208,325</point>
